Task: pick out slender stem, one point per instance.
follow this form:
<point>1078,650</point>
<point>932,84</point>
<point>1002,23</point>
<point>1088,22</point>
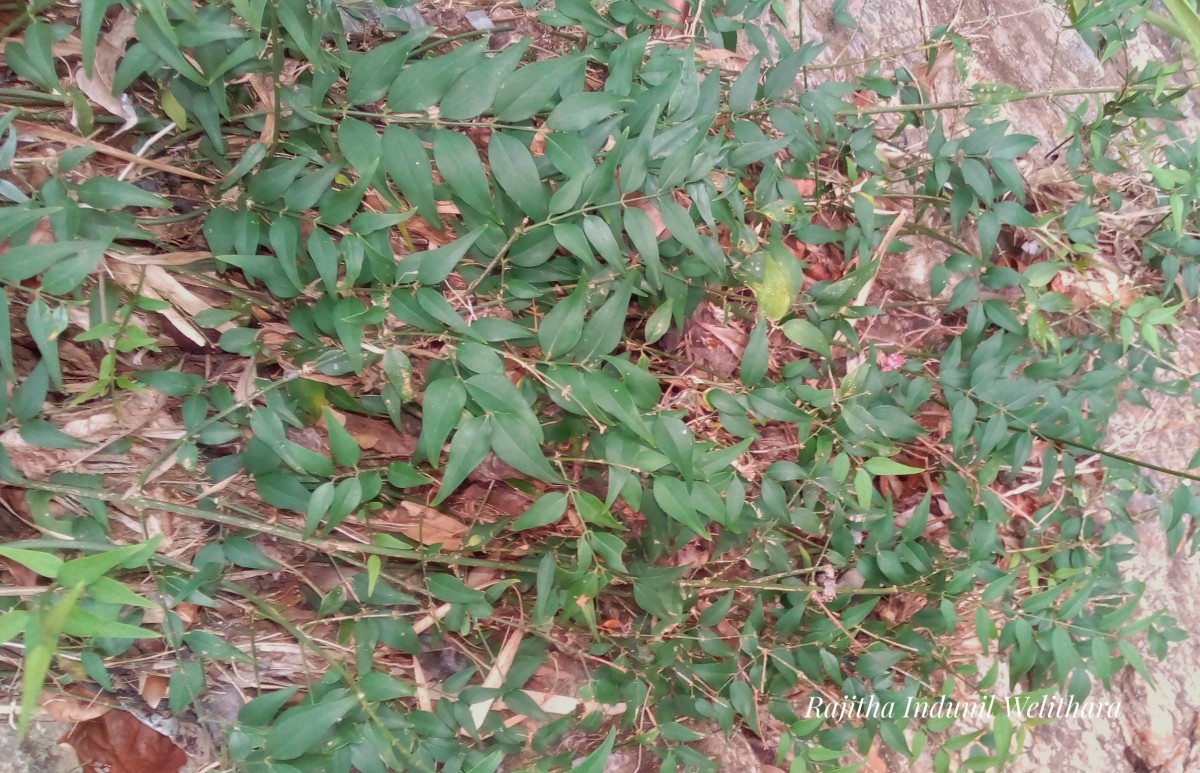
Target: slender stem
<point>33,96</point>
<point>425,47</point>
<point>265,527</point>
<point>965,103</point>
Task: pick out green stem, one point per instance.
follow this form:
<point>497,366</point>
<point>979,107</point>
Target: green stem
<point>958,104</point>
<point>25,18</point>
<point>421,49</point>
<point>262,527</point>
<point>33,96</point>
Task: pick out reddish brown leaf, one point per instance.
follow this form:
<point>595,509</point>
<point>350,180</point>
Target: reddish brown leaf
<point>119,742</point>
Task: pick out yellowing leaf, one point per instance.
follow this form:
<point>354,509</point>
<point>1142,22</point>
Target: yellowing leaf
<point>774,293</point>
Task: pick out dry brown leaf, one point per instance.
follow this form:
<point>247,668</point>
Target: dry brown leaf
<point>423,524</point>
<point>154,282</point>
<point>805,186</point>
<point>730,60</point>
<point>99,87</point>
<point>378,435</point>
<point>565,704</point>
<point>660,228</point>
<point>22,575</point>
<point>119,742</point>
<point>153,688</point>
<point>162,259</point>
<point>64,708</point>
<point>538,145</point>
<point>130,412</point>
<point>677,14</point>
<point>264,89</point>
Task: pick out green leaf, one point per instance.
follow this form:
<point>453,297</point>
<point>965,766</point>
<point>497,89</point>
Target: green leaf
<point>891,567</point>
<point>472,92</point>
<point>517,175</point>
<point>109,193</point>
<point>213,647</point>
<point>435,265</point>
<point>597,760</point>
<point>43,434</point>
<point>41,642</point>
<point>448,588</point>
<point>32,56</point>
<point>515,444</point>
<point>1188,21</point>
<point>559,331</point>
<point>109,591</point>
<point>422,84</point>
<point>45,324</point>
<point>640,229</point>
<point>45,564</point>
<point>593,511</point>
<point>442,406</point>
<point>674,498</point>
<point>282,490</point>
<point>753,368</point>
<point>185,685</point>
<point>90,568</point>
<point>548,509</point>
<point>377,687</point>
<point>301,728</point>
<point>459,163</point>
<point>606,329</point>
<point>318,506</point>
<point>84,624</point>
<point>324,254</point>
<point>408,165</point>
<point>374,567</point>
<point>781,78</point>
<point>658,323</point>
<point>12,624</point>
<point>342,445</point>
<point>528,90</point>
<point>806,334</point>
<point>374,72</point>
<point>584,109</point>
<point>468,448</point>
<point>403,475</point>
<point>268,428</point>
<point>65,275</point>
<point>676,442</point>
<point>774,292</point>
<point>745,87</point>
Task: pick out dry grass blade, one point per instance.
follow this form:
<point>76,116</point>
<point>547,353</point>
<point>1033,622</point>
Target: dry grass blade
<point>51,134</point>
<point>496,676</point>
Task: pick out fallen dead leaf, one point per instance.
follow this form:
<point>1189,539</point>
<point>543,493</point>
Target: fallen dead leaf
<point>423,524</point>
<point>155,282</point>
<point>153,688</point>
<point>119,742</point>
<point>65,708</point>
<point>379,436</point>
<point>730,60</point>
<point>110,49</point>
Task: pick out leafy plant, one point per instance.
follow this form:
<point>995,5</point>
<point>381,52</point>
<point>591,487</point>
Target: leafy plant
<point>486,252</point>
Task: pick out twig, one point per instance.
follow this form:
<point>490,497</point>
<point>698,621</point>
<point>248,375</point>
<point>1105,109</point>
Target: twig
<point>57,135</point>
